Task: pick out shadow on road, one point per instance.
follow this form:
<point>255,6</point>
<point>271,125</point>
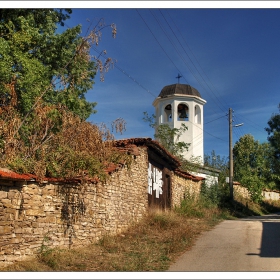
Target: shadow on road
<point>270,247</point>
<point>270,244</point>
<point>274,216</point>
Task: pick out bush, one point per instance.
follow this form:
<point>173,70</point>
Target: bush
<point>216,194</point>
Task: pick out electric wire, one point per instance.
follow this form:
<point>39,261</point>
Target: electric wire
<point>254,125</point>
<point>134,80</point>
<point>215,119</point>
<point>125,73</point>
<point>190,57</point>
<point>179,53</point>
<point>159,44</point>
<point>172,43</point>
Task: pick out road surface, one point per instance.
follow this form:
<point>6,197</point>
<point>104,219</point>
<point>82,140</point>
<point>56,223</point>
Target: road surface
<point>250,244</point>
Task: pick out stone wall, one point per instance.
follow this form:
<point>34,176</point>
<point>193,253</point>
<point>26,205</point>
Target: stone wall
<point>182,187</point>
<point>238,190</point>
<point>33,215</point>
<point>273,195</point>
<point>267,195</point>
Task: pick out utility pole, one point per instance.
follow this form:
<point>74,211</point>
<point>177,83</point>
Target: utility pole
<point>230,155</point>
<point>230,152</point>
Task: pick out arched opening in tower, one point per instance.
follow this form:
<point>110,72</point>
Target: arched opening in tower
<point>167,116</point>
<point>183,112</point>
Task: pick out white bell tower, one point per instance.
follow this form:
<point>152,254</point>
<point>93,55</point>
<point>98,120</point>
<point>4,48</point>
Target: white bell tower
<point>181,103</point>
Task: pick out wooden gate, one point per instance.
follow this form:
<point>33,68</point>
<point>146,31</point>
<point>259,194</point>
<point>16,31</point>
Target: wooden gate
<point>159,185</point>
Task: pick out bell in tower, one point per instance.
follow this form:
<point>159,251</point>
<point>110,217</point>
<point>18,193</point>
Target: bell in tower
<point>183,112</point>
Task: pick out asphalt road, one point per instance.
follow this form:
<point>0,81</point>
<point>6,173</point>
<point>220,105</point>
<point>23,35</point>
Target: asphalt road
<point>251,244</point>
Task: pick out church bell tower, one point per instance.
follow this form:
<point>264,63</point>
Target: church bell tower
<point>182,104</point>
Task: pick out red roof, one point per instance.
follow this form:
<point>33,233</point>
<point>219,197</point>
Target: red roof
<point>8,174</point>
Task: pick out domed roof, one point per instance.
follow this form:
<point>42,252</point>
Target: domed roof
<point>179,89</point>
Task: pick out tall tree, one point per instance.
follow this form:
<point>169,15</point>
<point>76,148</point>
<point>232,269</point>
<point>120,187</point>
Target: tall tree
<point>221,163</point>
<point>274,139</point>
<point>252,165</point>
<point>216,161</point>
<point>37,62</point>
<point>44,76</point>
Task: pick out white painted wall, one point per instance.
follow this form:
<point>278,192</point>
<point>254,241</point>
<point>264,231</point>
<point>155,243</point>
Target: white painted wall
<point>209,179</point>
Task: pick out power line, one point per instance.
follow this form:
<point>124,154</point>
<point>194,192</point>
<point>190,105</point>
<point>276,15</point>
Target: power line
<point>185,43</point>
<point>139,84</point>
<point>171,42</point>
<point>255,126</point>
<point>159,43</point>
<point>125,73</point>
<point>175,50</point>
<point>223,109</point>
<point>215,119</point>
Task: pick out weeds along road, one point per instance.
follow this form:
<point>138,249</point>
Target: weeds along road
<point>250,244</point>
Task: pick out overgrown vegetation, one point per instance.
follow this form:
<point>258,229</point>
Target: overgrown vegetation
<point>57,144</point>
<point>38,63</point>
<point>167,136</point>
<point>44,76</point>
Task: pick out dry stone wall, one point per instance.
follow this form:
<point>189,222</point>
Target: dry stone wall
<point>34,216</point>
<point>238,190</point>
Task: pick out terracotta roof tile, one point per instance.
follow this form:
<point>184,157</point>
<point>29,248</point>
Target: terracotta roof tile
<point>8,174</point>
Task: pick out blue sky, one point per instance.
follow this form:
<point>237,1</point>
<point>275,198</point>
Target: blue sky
<point>231,56</point>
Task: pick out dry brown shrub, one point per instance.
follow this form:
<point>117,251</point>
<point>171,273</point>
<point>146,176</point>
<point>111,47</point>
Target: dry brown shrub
<point>55,142</point>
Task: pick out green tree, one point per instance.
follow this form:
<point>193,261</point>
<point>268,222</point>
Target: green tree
<point>44,76</point>
<point>252,165</point>
<point>216,161</point>
<point>168,137</point>
<point>38,63</point>
<point>221,163</point>
<point>274,139</point>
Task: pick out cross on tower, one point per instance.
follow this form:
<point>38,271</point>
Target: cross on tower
<point>178,77</point>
